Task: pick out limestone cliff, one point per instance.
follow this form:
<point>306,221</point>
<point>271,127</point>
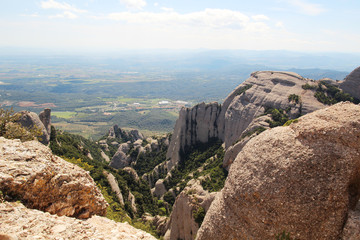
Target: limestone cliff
<point>302,179</point>
<point>240,109</point>
<point>197,124</point>
<point>30,172</point>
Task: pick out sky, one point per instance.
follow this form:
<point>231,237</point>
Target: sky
<point>111,25</point>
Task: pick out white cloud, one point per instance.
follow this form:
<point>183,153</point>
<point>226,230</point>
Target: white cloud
<point>167,9</point>
<point>34,15</point>
<point>307,8</point>
<point>65,14</point>
<point>51,4</point>
<point>213,18</point>
<point>134,4</point>
<point>260,18</point>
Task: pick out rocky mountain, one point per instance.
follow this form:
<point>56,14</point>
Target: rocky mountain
<point>227,122</point>
<point>302,179</point>
<point>266,100</point>
<point>166,184</point>
<point>351,83</point>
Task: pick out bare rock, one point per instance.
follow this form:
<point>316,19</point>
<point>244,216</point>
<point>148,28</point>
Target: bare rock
<point>159,190</point>
<point>182,224</point>
<point>251,131</point>
<point>302,179</point>
<point>46,182</point>
<point>104,156</point>
<point>131,199</point>
<point>136,135</point>
<point>132,172</point>
<point>120,159</point>
<point>197,124</point>
<point>45,118</point>
<point>31,119</point>
<point>351,83</point>
<point>247,102</point>
<point>103,144</point>
<point>114,186</point>
<point>19,222</point>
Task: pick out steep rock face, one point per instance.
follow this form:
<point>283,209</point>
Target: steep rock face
<point>182,224</point>
<point>19,222</point>
<point>197,124</point>
<point>268,89</point>
<point>31,119</point>
<point>45,118</point>
<point>114,186</point>
<point>239,110</point>
<point>351,83</point>
<point>30,171</point>
<point>303,179</point>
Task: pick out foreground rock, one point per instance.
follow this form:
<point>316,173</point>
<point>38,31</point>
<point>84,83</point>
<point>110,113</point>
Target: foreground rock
<point>19,222</point>
<point>30,172</point>
<point>303,179</point>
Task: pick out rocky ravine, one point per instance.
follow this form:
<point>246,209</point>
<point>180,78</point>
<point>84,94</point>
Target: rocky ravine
<point>240,109</point>
<point>41,180</point>
<point>303,179</point>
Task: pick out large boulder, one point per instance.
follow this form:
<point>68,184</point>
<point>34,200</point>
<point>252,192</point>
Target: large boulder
<point>19,222</point>
<point>30,172</point>
<point>303,179</point>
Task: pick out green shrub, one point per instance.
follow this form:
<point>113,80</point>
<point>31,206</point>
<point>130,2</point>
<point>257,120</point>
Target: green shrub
<point>278,116</point>
<point>294,98</point>
<point>199,215</point>
<point>290,122</point>
<point>256,130</point>
<point>243,89</point>
<point>329,94</point>
<point>283,236</point>
<point>309,87</point>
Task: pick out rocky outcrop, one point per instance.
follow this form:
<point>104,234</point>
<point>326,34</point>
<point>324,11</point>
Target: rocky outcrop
<point>121,159</point>
<point>182,224</point>
<point>30,172</point>
<point>45,118</point>
<point>197,124</point>
<point>114,186</point>
<point>247,102</point>
<point>30,119</point>
<point>351,83</point>
<point>303,179</point>
<point>159,190</point>
<point>19,222</point>
<point>132,135</point>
